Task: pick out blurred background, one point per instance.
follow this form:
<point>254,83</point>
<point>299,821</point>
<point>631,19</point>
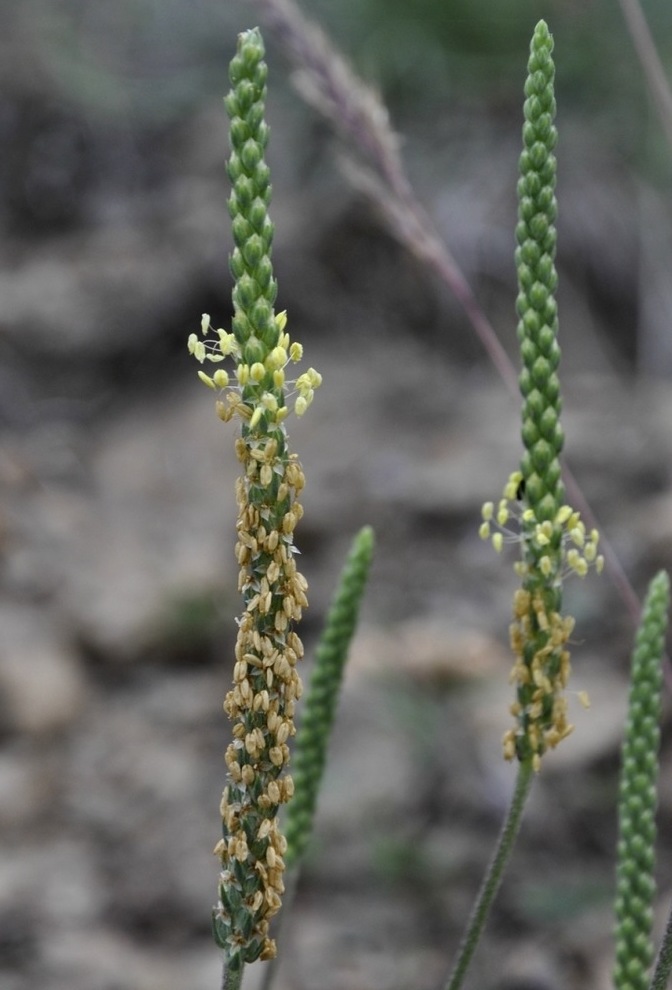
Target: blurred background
<point>118,590</point>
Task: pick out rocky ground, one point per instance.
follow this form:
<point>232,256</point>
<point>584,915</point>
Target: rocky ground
<point>117,589</point>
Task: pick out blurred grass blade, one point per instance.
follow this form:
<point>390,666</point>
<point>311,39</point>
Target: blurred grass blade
<point>649,59</point>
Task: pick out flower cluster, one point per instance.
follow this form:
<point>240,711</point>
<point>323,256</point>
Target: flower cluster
<point>266,684</point>
<point>268,374</point>
<point>539,634</point>
<point>263,697</point>
<point>578,549</point>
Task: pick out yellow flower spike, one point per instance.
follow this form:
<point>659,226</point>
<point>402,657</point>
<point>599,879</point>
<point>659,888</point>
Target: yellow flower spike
<point>243,374</point>
<point>206,379</point>
<point>296,351</point>
<point>282,413</point>
<point>254,420</point>
<point>220,378</point>
<point>192,341</point>
<point>502,515</point>
<point>590,552</point>
<point>487,510</point>
<point>257,372</point>
<point>484,531</point>
<point>497,542</point>
<point>300,405</point>
<point>546,566</point>
<point>269,402</point>
<point>599,564</point>
<point>528,516</point>
<point>278,378</point>
<point>205,323</point>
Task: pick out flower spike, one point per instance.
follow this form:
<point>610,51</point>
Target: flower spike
<point>266,684</point>
<point>635,875</point>
<point>532,510</point>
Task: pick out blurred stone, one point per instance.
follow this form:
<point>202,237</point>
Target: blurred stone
<point>156,522</point>
<point>26,788</point>
<point>42,688</point>
<point>529,967</point>
<point>105,958</point>
<point>434,651</point>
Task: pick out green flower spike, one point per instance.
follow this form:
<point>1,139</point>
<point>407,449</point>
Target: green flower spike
<point>635,885</point>
<point>266,683</point>
<point>553,539</point>
<point>325,683</point>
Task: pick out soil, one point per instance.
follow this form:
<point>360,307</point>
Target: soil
<point>118,582</point>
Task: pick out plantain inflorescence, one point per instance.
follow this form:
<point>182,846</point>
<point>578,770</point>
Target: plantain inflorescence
<point>635,883</point>
<point>532,510</point>
<point>266,684</point>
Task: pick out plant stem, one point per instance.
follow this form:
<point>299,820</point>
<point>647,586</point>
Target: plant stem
<point>232,977</point>
<point>493,877</point>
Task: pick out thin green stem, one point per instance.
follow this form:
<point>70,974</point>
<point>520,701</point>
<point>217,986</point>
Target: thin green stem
<point>493,877</point>
<point>232,977</point>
